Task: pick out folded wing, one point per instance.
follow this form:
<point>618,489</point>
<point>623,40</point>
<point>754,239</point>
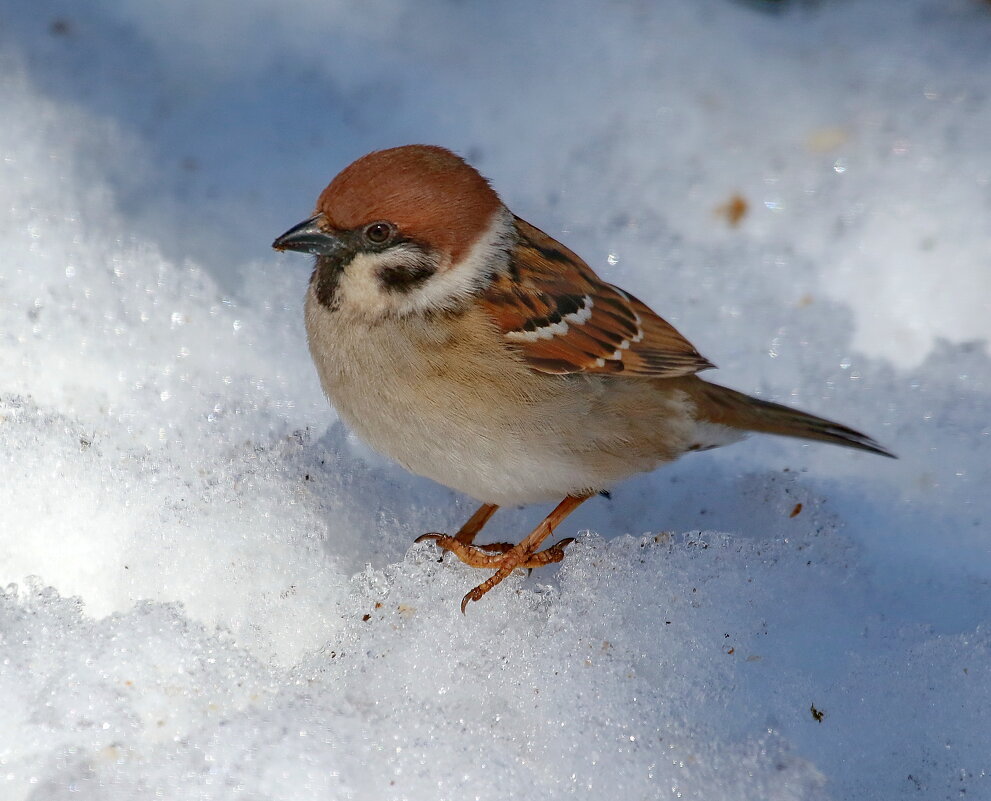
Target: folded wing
<point>564,319</point>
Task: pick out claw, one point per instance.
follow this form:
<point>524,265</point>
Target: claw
<point>504,556</point>
<point>434,538</point>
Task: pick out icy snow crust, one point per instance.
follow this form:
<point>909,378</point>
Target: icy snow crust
<point>211,589</point>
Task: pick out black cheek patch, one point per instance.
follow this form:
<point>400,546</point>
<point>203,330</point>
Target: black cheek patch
<point>404,277</point>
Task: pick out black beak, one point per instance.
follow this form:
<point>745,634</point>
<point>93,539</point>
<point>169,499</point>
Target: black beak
<point>310,236</point>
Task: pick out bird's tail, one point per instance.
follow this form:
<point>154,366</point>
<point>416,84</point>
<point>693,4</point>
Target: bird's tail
<point>728,407</point>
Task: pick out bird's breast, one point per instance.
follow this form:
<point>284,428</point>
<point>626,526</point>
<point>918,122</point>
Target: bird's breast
<point>447,399</point>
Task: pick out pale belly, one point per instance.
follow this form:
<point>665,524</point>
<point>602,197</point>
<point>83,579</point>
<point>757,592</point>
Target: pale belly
<point>489,426</point>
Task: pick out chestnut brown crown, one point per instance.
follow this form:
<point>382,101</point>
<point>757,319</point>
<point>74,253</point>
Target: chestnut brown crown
<point>429,193</point>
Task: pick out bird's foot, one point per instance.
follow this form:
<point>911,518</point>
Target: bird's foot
<point>473,555</point>
<point>502,556</point>
<point>492,554</point>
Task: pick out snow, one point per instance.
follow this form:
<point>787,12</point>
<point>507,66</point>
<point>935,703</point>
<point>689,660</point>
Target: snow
<point>211,590</point>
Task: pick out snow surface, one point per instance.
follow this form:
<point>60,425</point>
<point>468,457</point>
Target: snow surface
<point>211,591</point>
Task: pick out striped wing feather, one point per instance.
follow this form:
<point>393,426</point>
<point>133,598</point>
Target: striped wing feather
<point>564,319</point>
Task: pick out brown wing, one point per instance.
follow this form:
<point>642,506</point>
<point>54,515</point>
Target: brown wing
<point>565,319</point>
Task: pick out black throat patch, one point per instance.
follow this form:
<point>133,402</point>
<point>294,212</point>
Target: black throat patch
<point>325,280</point>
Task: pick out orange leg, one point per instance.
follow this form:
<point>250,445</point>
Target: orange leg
<point>466,534</point>
<point>487,555</point>
<point>461,543</point>
<point>522,554</point>
<point>503,556</point>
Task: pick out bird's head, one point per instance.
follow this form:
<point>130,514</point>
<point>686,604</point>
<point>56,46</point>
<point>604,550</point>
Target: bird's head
<point>403,231</point>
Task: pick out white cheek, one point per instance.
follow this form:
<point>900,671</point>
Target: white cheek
<point>453,286</point>
<point>360,287</point>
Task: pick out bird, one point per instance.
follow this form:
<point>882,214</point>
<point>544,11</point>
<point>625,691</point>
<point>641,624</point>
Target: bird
<point>474,349</point>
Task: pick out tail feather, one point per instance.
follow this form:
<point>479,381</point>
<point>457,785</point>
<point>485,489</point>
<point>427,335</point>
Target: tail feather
<point>728,407</point>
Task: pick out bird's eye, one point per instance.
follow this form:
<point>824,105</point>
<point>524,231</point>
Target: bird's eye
<point>379,232</point>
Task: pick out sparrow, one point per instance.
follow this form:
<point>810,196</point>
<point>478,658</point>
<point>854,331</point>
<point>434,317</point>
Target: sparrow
<point>474,349</point>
